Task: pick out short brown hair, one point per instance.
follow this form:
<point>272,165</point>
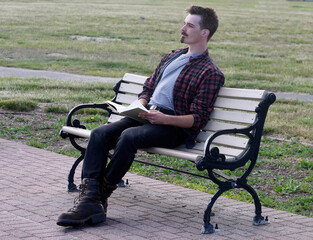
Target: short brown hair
<point>209,18</point>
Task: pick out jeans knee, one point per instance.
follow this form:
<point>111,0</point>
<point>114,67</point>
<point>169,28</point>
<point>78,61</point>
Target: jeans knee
<point>98,135</point>
<point>127,136</point>
<point>95,133</point>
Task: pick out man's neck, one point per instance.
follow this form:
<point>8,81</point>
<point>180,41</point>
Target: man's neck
<point>192,49</point>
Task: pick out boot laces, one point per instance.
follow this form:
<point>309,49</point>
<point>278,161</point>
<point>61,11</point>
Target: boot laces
<point>77,199</point>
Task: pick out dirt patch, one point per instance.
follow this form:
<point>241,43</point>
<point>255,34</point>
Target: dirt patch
<point>36,126</point>
<point>57,55</point>
<point>93,39</point>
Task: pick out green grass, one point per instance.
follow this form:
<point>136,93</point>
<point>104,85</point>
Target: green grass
<point>17,105</point>
<point>306,164</point>
<point>15,92</point>
<point>291,119</point>
<point>259,44</point>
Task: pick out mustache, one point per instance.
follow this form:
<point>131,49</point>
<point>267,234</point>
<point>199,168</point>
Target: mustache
<point>184,34</point>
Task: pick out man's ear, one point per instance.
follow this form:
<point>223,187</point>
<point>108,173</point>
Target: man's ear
<point>205,32</point>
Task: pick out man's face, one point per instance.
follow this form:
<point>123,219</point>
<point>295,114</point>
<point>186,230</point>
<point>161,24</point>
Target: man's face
<point>191,32</point>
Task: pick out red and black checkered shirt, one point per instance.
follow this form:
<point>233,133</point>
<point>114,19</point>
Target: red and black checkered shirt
<point>195,90</point>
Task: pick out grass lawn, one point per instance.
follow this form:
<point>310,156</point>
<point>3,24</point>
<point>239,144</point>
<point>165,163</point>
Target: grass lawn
<point>260,44</point>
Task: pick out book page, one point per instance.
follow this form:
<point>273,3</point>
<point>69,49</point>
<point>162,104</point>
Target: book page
<point>135,105</point>
<point>117,107</point>
<point>131,111</point>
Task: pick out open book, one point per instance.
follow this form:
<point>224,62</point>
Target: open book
<point>131,110</point>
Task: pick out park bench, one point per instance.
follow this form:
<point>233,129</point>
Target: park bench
<point>230,140</point>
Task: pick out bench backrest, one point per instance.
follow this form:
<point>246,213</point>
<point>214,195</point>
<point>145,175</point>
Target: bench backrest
<point>234,108</point>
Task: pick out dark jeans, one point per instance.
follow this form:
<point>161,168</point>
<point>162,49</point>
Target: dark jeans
<point>125,137</point>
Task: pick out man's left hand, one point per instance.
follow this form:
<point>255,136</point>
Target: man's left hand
<point>155,117</point>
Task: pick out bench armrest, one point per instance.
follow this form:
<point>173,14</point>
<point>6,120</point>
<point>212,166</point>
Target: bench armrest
<point>213,159</point>
<point>75,122</point>
<point>103,106</point>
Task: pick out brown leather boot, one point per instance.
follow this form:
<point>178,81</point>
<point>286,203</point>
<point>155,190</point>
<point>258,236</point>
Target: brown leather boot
<point>87,208</point>
<point>106,191</point>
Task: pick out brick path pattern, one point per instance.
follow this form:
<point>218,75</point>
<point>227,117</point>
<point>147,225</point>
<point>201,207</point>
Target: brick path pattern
<point>33,194</point>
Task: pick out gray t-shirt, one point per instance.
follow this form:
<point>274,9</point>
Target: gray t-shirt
<point>163,93</point>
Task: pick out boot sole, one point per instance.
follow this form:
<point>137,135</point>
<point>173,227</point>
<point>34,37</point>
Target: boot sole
<point>94,219</point>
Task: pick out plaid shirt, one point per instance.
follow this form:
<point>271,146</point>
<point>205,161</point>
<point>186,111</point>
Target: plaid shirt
<point>195,90</point>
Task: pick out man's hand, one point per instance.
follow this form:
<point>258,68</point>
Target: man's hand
<point>157,117</point>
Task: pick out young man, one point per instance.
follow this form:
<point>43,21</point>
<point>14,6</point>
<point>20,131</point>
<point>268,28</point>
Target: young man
<point>180,95</point>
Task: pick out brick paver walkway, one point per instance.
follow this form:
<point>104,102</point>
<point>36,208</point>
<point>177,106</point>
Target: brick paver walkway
<point>33,194</point>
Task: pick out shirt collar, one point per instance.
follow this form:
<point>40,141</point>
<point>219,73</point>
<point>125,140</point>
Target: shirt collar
<point>205,54</point>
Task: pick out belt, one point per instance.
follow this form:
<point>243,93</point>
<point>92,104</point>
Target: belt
<point>163,110</point>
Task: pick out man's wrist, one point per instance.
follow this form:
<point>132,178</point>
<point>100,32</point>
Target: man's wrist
<point>143,101</point>
<point>185,121</point>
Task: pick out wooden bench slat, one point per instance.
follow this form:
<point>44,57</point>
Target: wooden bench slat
<point>224,91</point>
<point>114,117</point>
<point>133,86</point>
<point>242,93</point>
<point>134,78</point>
<point>199,149</point>
<point>174,153</point>
<point>229,152</point>
<point>125,98</point>
<point>240,117</point>
<point>223,115</point>
<point>130,88</point>
<point>84,133</point>
<point>216,126</point>
<point>236,104</point>
<point>180,153</point>
<point>193,154</point>
<point>233,116</point>
<point>225,140</point>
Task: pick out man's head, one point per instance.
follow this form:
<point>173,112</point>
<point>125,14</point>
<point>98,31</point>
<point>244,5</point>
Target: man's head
<point>206,19</point>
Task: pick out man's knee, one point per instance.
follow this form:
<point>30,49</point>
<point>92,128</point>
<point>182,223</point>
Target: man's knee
<point>136,137</point>
<point>95,133</point>
<point>128,136</point>
<point>99,135</point>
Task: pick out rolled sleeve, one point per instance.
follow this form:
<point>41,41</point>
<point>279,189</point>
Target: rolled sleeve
<point>202,104</point>
<point>147,90</point>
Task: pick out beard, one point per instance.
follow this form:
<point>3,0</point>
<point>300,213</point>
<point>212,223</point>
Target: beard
<point>183,36</point>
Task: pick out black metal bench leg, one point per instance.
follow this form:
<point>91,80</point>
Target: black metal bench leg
<point>71,187</point>
<point>207,227</point>
<point>258,218</point>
